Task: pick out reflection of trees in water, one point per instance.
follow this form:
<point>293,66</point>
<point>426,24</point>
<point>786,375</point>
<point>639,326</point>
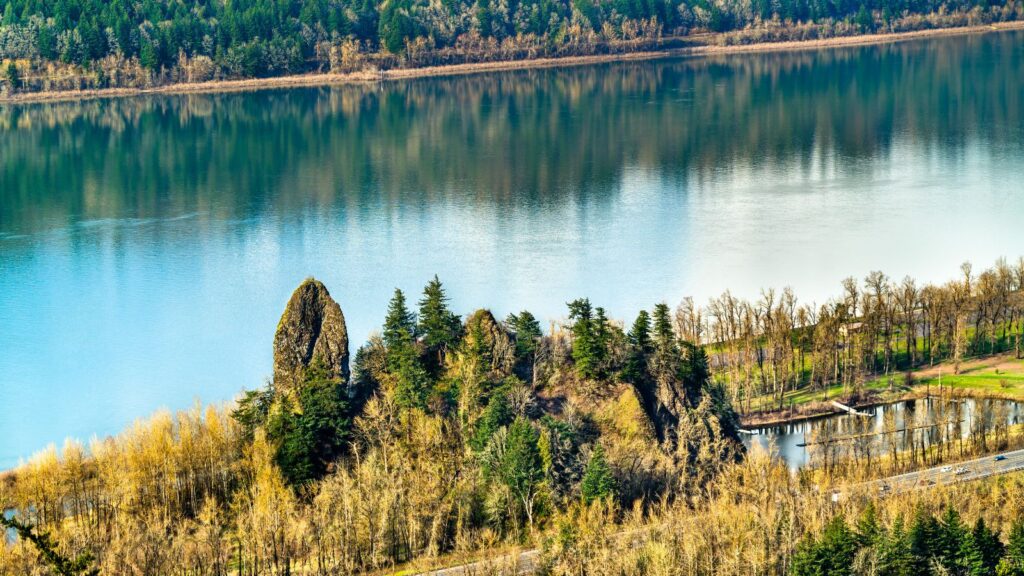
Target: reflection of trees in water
<point>526,137</point>
<point>1001,424</point>
<point>925,431</point>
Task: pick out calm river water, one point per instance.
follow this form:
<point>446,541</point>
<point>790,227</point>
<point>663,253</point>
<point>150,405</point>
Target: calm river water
<point>148,245</point>
<point>900,425</point>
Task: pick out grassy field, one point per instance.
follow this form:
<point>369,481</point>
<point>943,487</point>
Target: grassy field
<point>1001,375</point>
<point>807,395</point>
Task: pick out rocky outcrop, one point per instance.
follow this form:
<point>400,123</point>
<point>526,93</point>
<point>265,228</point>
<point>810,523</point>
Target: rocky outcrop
<point>673,386</point>
<point>487,336</point>
<point>312,329</point>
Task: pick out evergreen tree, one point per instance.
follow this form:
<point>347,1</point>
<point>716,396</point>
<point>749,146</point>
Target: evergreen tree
<point>370,360</point>
<point>586,344</point>
<point>310,432</point>
<point>520,467</point>
<point>831,555</point>
<point>326,414</point>
<point>308,429</point>
<point>1008,567</point>
<point>664,335</point>
<point>412,382</point>
<point>989,546</point>
<point>665,365</point>
<point>528,334</point>
<point>484,18</point>
<point>640,348</point>
<point>895,555</point>
<point>254,410</point>
<point>439,327</point>
<point>475,347</point>
<point>695,372</point>
<point>527,331</point>
<point>865,20</point>
<point>293,443</point>
<point>602,336</point>
<point>868,530</point>
<point>559,452</point>
<point>1015,543</point>
<point>971,559</point>
<point>399,324</point>
<point>149,56</point>
<point>12,75</point>
<point>598,482</point>
<point>495,416</point>
<point>640,333</point>
<point>951,536</point>
<point>395,25</point>
<point>924,535</point>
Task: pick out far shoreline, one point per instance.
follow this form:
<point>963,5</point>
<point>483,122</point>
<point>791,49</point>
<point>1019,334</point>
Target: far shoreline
<point>368,77</point>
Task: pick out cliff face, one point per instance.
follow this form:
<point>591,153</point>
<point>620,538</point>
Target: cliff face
<point>312,329</point>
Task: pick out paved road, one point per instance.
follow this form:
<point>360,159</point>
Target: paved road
<point>523,563</point>
<point>952,473</point>
<point>526,562</point>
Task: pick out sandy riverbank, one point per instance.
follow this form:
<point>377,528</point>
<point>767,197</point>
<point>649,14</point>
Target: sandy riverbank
<point>709,46</point>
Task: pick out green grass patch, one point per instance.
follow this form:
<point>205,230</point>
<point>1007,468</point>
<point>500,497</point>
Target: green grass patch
<point>999,376</point>
<point>1008,380</point>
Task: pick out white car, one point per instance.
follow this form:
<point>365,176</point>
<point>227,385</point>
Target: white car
<point>962,470</point>
<point>946,469</point>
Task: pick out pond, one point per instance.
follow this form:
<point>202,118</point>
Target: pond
<point>921,423</point>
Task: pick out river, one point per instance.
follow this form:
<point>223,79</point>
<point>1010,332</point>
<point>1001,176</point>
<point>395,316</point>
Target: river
<point>148,245</point>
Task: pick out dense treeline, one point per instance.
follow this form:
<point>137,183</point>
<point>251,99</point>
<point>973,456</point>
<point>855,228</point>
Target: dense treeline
<point>119,43</point>
<point>877,328</point>
<point>920,545</point>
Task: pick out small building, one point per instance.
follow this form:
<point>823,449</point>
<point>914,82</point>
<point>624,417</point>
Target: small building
<point>850,328</point>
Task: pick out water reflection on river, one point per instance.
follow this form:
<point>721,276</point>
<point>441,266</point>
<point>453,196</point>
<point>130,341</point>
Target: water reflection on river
<point>902,425</point>
<point>148,245</point>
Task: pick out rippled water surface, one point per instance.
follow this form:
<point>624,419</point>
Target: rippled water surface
<point>148,245</point>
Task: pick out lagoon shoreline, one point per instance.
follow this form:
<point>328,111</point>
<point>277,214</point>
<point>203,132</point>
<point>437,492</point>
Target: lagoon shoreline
<point>706,46</point>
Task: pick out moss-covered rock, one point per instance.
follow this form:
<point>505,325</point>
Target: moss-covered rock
<point>312,330</point>
<point>623,416</point>
<point>631,444</point>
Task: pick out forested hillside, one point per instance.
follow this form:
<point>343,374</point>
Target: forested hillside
<point>448,435</point>
<point>110,43</point>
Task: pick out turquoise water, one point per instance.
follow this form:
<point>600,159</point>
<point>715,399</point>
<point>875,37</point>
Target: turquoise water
<point>148,245</point>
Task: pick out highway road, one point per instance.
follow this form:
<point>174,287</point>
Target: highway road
<point>525,562</point>
<point>964,471</point>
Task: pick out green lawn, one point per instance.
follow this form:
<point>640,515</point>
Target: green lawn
<point>980,375</point>
<point>1009,380</point>
<point>806,395</point>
